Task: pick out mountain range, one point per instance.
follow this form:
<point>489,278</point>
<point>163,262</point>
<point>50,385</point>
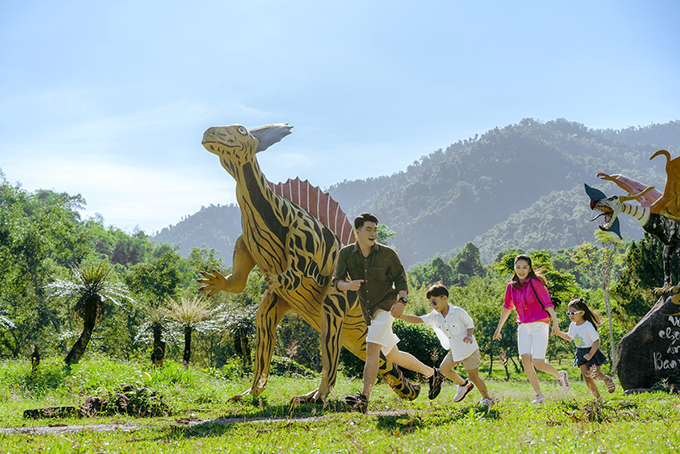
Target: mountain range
<point>520,186</point>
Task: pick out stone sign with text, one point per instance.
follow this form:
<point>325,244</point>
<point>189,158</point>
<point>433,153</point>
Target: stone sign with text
<point>650,352</point>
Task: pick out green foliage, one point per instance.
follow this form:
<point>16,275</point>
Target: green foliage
<point>287,367</point>
<point>298,341</point>
<point>133,399</point>
<point>465,265</point>
<point>643,271</point>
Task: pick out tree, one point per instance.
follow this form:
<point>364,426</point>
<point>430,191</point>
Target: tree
<point>93,286</point>
<point>602,261</point>
<point>642,272</point>
<point>467,263</point>
<point>192,313</point>
<point>155,281</point>
<point>40,235</point>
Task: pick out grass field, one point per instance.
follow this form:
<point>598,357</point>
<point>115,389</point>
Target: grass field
<point>202,421</point>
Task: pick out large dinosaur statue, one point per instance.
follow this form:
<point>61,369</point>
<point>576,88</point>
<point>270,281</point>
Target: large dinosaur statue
<point>297,254</point>
<point>657,213</point>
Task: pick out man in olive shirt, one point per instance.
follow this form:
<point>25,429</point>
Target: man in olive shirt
<point>375,272</point>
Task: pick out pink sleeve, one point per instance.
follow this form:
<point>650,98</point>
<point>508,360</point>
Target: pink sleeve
<point>508,304</point>
<point>542,293</point>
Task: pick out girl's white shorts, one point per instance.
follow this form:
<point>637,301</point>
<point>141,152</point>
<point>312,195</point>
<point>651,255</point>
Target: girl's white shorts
<point>532,339</point>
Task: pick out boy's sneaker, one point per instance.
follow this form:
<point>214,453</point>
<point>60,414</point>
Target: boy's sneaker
<point>563,381</point>
<point>486,401</point>
<point>539,399</point>
<point>358,401</point>
<point>436,381</point>
<point>463,391</point>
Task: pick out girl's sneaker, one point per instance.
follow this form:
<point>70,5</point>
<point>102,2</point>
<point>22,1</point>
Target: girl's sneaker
<point>539,399</point>
<point>609,381</point>
<point>486,401</point>
<point>358,401</point>
<point>563,381</point>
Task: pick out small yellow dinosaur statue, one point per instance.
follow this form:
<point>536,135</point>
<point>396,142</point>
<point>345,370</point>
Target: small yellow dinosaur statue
<point>297,254</point>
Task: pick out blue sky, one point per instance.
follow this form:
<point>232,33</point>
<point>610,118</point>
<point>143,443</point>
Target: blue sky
<point>110,99</point>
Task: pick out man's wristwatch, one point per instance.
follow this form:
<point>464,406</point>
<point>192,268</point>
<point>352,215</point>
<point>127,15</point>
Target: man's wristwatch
<point>403,300</point>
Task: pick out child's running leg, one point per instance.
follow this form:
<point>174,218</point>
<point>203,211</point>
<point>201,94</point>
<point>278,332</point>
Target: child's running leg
<point>609,381</point>
<point>590,383</point>
<point>479,383</point>
<point>447,369</point>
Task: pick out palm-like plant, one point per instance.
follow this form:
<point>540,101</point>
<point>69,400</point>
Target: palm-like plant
<point>156,327</point>
<point>192,313</point>
<point>93,286</point>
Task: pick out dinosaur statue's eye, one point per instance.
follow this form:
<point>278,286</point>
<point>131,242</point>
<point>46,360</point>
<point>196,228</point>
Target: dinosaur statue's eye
<point>242,130</point>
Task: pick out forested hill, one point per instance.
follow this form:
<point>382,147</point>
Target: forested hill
<point>517,186</point>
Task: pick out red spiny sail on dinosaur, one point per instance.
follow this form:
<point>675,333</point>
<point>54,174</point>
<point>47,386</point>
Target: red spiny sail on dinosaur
<point>319,204</point>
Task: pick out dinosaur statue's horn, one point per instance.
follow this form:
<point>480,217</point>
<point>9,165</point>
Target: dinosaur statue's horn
<point>661,152</point>
<point>626,198</point>
<point>270,134</point>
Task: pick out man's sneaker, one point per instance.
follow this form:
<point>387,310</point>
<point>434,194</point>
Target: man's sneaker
<point>539,399</point>
<point>486,401</point>
<point>436,381</point>
<point>563,381</point>
<point>609,381</point>
<point>463,391</point>
<point>358,401</point>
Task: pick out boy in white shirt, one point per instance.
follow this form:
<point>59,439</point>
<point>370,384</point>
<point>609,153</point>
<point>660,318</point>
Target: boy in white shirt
<point>454,328</point>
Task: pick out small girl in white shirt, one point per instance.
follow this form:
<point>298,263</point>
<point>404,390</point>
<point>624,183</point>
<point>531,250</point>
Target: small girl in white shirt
<point>454,328</point>
<point>588,356</point>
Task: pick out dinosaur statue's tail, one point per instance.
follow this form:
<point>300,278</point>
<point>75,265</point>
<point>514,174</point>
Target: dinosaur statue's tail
<point>395,378</point>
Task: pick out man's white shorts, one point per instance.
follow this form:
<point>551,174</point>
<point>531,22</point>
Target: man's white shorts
<point>380,331</point>
<point>532,339</point>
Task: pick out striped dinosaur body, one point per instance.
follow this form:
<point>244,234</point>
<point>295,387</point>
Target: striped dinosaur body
<point>297,253</point>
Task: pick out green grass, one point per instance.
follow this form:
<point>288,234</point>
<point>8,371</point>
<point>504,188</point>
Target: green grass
<point>203,421</point>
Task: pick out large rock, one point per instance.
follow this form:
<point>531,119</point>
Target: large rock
<point>651,351</point>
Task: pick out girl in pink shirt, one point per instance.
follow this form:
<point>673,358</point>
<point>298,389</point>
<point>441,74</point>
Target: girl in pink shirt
<point>527,293</point>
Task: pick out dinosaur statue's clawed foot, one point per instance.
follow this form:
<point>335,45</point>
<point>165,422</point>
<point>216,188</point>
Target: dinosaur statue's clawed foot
<point>667,288</point>
<point>313,397</point>
<point>243,395</point>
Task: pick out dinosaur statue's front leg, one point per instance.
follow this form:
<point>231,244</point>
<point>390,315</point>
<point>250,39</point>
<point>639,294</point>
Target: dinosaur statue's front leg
<point>234,283</point>
<point>269,314</point>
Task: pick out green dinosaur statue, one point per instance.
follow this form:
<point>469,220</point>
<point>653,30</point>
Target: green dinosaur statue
<point>297,254</point>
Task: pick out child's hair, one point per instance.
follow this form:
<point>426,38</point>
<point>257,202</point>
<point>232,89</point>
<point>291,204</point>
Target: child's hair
<point>362,218</point>
<point>592,317</point>
<point>536,274</point>
<point>437,289</point>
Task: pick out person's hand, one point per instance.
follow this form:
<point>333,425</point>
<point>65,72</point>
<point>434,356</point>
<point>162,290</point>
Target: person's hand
<point>587,356</point>
<point>397,309</point>
<point>497,335</point>
<point>555,328</point>
<point>355,285</point>
<point>467,339</point>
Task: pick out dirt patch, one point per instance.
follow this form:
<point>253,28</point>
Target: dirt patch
<point>57,429</point>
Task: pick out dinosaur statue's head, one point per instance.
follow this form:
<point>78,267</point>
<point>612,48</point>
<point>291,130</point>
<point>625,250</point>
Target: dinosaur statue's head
<point>609,207</point>
<point>236,146</point>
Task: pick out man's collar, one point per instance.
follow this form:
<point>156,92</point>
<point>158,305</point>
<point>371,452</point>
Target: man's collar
<point>357,248</point>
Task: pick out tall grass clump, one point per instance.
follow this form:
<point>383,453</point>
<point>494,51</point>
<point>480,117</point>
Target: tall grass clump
<point>18,377</point>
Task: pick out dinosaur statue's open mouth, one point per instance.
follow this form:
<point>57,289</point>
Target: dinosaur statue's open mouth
<point>608,214</point>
